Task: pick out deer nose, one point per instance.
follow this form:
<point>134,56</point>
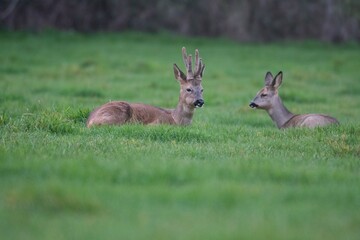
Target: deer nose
<point>253,105</point>
<point>199,103</point>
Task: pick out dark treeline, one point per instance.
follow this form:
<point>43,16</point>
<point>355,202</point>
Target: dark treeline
<point>243,20</point>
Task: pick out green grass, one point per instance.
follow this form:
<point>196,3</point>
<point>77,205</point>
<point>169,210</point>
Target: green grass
<point>231,175</point>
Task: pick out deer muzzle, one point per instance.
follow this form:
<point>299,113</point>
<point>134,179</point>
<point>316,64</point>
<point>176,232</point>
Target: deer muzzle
<point>199,103</point>
<point>253,105</point>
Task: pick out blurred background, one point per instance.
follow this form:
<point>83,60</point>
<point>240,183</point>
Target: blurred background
<point>240,20</point>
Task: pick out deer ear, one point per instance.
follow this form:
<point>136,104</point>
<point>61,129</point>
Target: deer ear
<point>277,80</point>
<point>268,79</point>
<point>179,75</point>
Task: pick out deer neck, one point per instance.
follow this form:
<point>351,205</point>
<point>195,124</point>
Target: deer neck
<point>279,113</point>
<point>183,113</point>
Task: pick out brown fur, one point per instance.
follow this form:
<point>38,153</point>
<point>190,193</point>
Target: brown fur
<point>122,112</point>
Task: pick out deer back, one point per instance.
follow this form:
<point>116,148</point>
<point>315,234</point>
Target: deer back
<point>310,120</point>
<point>119,112</point>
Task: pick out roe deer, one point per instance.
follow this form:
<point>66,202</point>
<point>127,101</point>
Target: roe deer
<point>119,112</point>
<point>268,99</point>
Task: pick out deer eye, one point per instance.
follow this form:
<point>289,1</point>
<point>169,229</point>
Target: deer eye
<point>189,90</point>
<point>202,90</point>
<point>263,95</point>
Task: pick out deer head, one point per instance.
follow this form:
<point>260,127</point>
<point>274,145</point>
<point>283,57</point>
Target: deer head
<point>264,99</point>
<point>190,83</point>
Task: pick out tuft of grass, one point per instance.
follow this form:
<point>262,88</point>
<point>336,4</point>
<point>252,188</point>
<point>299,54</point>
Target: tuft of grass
<point>52,121</point>
<point>79,115</point>
<point>4,119</point>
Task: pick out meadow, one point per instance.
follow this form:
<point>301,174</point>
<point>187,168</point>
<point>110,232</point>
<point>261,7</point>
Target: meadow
<point>230,175</point>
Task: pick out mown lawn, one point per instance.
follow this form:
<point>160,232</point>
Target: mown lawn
<point>231,175</point>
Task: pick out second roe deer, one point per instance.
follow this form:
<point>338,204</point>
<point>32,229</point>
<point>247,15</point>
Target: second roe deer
<point>268,99</point>
<point>119,112</point>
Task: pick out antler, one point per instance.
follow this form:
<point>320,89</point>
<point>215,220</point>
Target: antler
<point>187,62</point>
<point>199,66</point>
<point>197,62</point>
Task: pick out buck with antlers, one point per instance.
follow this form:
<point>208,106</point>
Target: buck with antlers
<point>268,99</point>
<point>119,112</point>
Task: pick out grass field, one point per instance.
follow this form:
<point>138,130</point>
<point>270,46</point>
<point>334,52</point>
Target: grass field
<point>231,175</point>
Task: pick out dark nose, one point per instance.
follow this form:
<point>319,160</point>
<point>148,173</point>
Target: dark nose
<point>253,105</point>
<point>199,103</point>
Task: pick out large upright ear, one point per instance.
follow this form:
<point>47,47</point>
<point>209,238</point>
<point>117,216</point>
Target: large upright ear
<point>268,79</point>
<point>179,75</point>
<point>277,80</point>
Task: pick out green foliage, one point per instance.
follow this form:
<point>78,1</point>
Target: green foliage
<point>230,175</point>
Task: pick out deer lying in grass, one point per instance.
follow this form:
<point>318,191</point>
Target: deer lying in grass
<point>268,99</point>
<point>119,112</point>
